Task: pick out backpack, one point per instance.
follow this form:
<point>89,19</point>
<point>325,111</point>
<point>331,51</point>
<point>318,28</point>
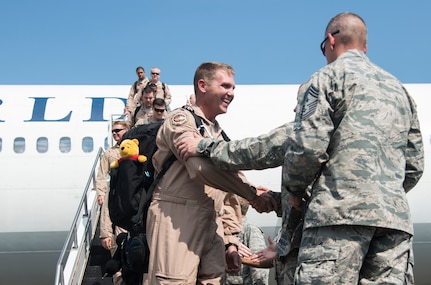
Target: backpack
<point>130,180</point>
<point>131,187</point>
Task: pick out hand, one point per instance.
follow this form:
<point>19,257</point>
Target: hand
<point>107,243</point>
<point>233,260</point>
<point>266,255</point>
<point>243,250</point>
<point>100,199</point>
<point>187,146</point>
<point>297,201</point>
<point>261,189</point>
<point>264,203</point>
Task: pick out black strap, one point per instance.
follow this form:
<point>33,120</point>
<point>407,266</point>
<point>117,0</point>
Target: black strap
<point>225,137</point>
<point>200,124</point>
<point>144,203</point>
<point>134,115</point>
<point>135,87</point>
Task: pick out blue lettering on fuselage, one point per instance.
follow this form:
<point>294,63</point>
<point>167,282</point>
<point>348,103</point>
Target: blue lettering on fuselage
<point>97,106</point>
<point>39,109</point>
<point>96,115</point>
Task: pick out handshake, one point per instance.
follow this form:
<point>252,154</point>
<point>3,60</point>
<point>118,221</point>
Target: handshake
<point>264,202</point>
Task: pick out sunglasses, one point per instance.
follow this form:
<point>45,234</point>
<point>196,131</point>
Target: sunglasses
<point>155,73</point>
<point>322,44</point>
<point>159,110</point>
<point>117,130</point>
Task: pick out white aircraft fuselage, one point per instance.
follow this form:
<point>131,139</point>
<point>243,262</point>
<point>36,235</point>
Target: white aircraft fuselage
<point>49,138</point>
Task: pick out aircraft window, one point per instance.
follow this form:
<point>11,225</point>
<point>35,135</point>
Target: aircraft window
<point>106,144</point>
<point>19,145</point>
<point>65,144</point>
<point>42,145</point>
<point>87,144</point>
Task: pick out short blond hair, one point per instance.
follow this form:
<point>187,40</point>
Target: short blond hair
<point>207,71</point>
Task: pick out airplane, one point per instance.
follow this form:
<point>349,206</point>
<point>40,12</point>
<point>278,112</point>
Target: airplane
<point>50,136</point>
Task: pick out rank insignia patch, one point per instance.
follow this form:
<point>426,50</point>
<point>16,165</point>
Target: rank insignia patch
<point>308,105</point>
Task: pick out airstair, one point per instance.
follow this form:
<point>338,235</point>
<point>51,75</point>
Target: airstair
<point>82,258</point>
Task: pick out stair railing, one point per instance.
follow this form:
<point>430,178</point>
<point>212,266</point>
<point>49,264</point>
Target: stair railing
<point>74,255</point>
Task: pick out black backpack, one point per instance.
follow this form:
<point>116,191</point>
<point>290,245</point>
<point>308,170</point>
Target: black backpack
<point>131,178</point>
<point>131,188</point>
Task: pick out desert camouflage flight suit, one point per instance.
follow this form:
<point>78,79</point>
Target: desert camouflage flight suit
<point>229,215</point>
<point>163,92</point>
<point>110,155</point>
<point>135,94</point>
<point>183,224</point>
<point>141,115</point>
<point>106,230</point>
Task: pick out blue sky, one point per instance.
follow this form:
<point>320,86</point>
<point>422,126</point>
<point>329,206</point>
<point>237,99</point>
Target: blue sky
<point>267,42</point>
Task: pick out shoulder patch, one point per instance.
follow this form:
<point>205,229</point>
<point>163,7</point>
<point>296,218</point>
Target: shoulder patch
<point>308,105</point>
<point>178,119</point>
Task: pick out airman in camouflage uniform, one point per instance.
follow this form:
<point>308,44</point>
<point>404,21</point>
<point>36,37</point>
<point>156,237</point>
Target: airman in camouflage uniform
<point>357,139</point>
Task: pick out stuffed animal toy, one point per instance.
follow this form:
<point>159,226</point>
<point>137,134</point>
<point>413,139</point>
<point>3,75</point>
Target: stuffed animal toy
<point>129,149</point>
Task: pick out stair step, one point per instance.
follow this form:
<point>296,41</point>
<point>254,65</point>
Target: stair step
<point>93,271</point>
<point>98,258</point>
<point>97,281</point>
<point>93,276</point>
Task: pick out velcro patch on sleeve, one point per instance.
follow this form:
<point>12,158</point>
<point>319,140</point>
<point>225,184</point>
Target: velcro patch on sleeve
<point>178,119</point>
<point>308,105</point>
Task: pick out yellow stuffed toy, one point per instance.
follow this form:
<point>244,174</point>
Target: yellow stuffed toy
<point>129,149</point>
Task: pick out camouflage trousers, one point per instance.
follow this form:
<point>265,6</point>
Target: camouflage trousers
<point>285,267</point>
<point>354,255</point>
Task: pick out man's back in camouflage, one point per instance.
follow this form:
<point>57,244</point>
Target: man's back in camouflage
<point>357,141</point>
